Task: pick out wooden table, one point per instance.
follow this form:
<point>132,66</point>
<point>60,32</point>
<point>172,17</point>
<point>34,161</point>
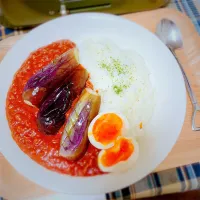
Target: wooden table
<point>187,148</point>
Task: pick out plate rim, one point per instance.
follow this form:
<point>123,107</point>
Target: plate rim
<point>92,15</point>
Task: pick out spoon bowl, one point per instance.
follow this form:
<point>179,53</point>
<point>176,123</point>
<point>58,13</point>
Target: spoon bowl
<point>170,34</point>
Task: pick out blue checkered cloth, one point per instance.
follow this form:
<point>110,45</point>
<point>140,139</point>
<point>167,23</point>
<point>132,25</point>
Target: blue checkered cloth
<point>179,179</point>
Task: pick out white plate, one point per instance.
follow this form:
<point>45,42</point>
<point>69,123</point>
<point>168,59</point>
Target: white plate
<point>164,126</point>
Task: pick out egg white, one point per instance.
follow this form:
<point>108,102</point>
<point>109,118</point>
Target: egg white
<point>123,165</point>
<point>98,145</point>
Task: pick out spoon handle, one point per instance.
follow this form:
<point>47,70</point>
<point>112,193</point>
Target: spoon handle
<point>188,86</point>
<point>196,107</point>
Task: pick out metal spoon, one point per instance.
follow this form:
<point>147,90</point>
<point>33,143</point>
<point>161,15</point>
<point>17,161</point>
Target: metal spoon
<point>170,35</point>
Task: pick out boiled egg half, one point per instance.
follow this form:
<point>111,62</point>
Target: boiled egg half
<point>120,157</point>
<point>105,128</point>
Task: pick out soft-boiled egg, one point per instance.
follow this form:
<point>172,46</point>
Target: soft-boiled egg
<point>105,128</point>
<point>120,157</point>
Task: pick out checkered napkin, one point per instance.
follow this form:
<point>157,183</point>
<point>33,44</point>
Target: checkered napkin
<point>179,179</point>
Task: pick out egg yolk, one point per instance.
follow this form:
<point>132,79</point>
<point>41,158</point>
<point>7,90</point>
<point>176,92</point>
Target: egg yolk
<point>121,151</point>
<point>141,125</point>
<point>107,128</point>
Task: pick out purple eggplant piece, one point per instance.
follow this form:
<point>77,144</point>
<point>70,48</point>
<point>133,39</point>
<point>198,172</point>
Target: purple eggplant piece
<point>40,85</point>
<point>51,115</point>
<point>74,140</point>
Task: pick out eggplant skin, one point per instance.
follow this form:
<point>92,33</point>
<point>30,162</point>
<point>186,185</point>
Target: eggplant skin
<point>44,82</point>
<point>51,115</point>
<point>77,143</point>
<point>74,140</point>
<point>78,79</point>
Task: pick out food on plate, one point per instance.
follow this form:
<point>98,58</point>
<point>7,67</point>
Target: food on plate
<point>74,141</point>
<point>63,130</point>
<point>22,119</point>
<point>51,115</point>
<point>120,157</point>
<point>41,84</point>
<point>105,128</point>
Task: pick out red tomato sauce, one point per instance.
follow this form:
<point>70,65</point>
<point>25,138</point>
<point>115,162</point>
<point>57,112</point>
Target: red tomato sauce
<point>22,120</point>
